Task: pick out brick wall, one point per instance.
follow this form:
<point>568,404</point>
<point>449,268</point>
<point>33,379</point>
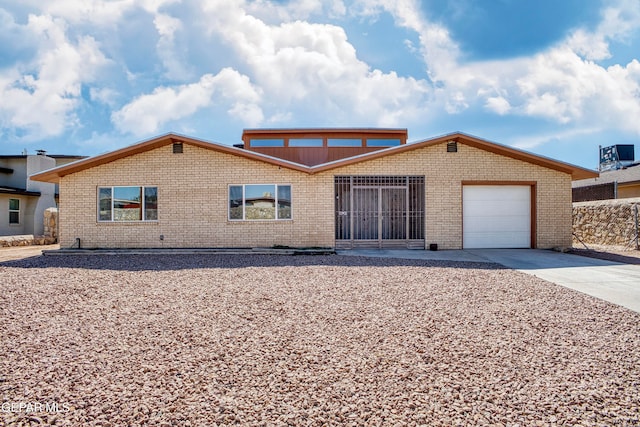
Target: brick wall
<point>193,198</point>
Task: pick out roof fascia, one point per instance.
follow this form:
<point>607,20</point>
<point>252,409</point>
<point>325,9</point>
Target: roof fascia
<point>294,131</point>
<point>576,172</point>
<point>54,174</point>
<point>243,153</point>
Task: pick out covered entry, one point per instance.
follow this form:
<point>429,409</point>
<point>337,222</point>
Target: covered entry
<point>379,212</point>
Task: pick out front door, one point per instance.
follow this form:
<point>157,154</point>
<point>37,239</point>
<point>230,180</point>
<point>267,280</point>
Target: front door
<point>379,216</point>
<point>379,212</point>
<point>393,213</point>
<point>366,213</point>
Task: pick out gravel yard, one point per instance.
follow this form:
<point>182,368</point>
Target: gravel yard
<point>307,340</point>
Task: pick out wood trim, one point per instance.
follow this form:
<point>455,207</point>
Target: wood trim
<point>534,216</point>
<point>324,134</point>
<point>311,156</point>
<point>533,204</point>
<point>55,174</point>
<point>320,132</point>
<point>479,182</point>
<point>576,172</point>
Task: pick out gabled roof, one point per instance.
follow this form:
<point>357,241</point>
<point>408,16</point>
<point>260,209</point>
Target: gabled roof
<point>54,175</point>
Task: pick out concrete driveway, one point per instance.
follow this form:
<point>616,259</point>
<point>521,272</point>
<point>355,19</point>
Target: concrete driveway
<point>611,281</point>
<point>607,280</point>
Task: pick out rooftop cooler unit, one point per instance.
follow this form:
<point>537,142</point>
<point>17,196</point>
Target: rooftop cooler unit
<point>616,157</point>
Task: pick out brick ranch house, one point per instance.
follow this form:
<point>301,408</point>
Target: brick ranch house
<point>341,188</point>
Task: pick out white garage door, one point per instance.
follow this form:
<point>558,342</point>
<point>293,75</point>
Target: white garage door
<point>496,216</point>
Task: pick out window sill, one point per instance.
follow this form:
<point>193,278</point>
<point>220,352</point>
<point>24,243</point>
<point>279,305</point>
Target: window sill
<point>127,222</point>
<point>257,221</point>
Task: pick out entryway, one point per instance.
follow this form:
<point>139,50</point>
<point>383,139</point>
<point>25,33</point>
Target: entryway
<point>379,212</point>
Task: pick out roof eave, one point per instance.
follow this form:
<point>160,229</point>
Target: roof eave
<point>576,172</point>
<point>53,175</point>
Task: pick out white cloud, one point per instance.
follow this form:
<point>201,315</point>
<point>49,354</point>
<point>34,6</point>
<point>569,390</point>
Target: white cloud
<point>498,105</point>
<point>619,20</point>
<point>95,12</point>
<point>589,45</point>
<point>313,67</point>
<point>529,141</point>
<point>173,61</point>
<point>104,95</point>
<point>440,52</point>
<point>42,95</point>
<point>283,68</point>
<point>147,113</point>
<point>274,11</point>
<point>74,11</point>
<point>561,84</point>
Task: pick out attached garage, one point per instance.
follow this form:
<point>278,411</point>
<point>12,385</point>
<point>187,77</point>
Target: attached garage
<point>497,216</point>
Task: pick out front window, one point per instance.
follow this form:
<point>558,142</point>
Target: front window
<point>259,202</point>
<point>128,204</point>
<point>14,211</point>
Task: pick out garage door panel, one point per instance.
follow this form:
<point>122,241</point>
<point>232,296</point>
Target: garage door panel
<point>493,208</point>
<point>496,216</point>
<point>507,224</point>
<point>497,240</point>
<point>506,193</point>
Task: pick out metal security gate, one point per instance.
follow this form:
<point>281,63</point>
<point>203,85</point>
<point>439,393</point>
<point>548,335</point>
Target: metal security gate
<point>379,212</point>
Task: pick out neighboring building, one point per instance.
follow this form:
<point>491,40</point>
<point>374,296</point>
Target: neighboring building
<point>23,201</point>
<point>619,176</point>
<point>339,188</point>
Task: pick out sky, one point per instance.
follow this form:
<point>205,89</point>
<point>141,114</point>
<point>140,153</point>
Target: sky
<point>555,78</point>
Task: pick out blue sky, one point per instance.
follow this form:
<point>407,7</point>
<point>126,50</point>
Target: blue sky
<point>556,78</point>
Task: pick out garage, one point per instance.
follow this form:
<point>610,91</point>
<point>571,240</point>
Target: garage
<point>497,216</point>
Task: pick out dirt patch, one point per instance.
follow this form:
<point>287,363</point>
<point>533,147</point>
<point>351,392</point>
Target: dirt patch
<point>20,252</point>
<point>324,340</point>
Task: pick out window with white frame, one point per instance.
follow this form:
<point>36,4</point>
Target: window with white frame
<point>14,211</point>
<point>127,204</point>
<point>251,202</point>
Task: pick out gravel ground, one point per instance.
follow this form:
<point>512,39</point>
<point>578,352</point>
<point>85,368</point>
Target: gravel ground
<point>307,340</point>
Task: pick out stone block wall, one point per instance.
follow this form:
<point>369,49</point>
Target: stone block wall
<point>51,223</point>
<point>605,222</point>
<point>25,240</point>
<point>50,233</point>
